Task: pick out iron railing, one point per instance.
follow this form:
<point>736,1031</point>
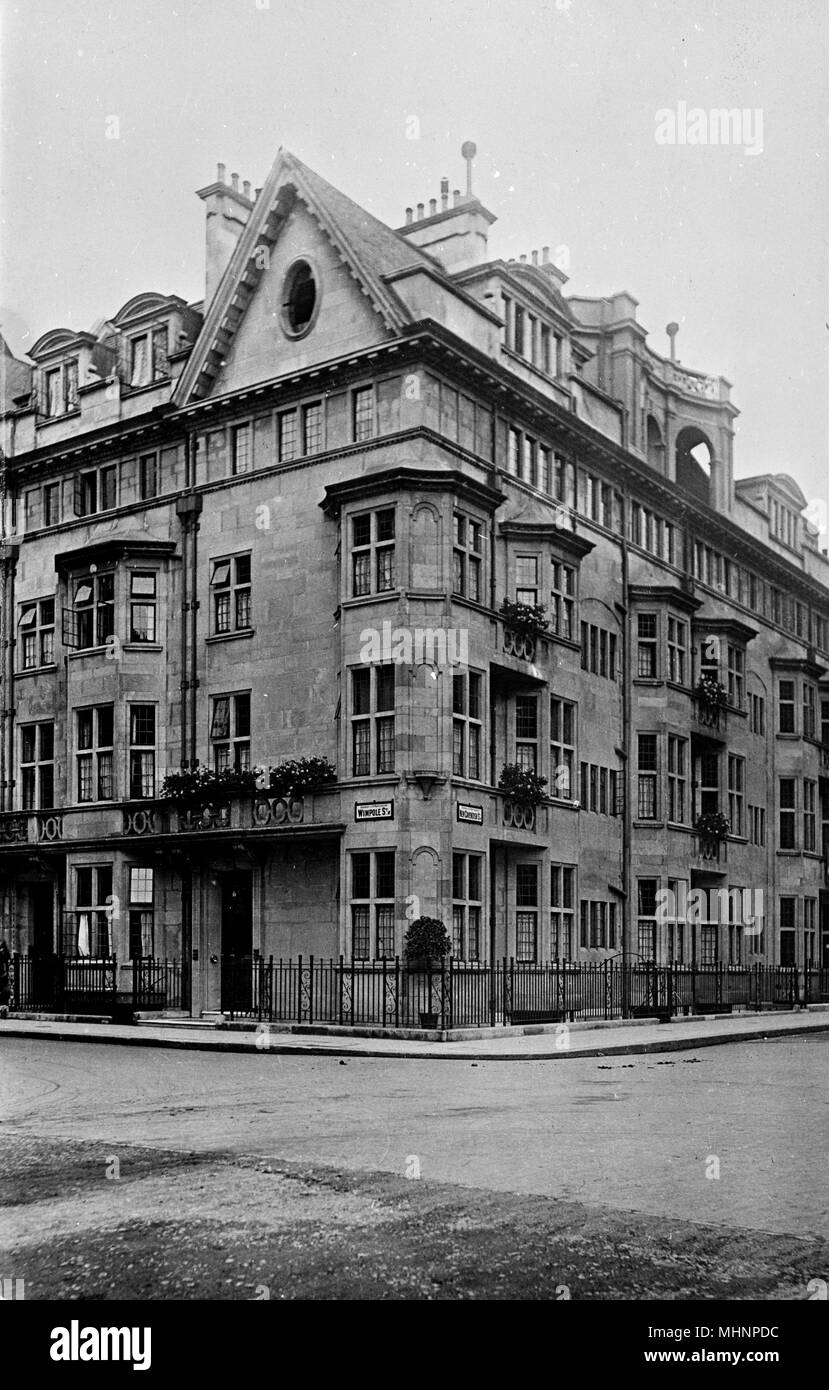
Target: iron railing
<point>64,984</point>
<point>156,984</point>
<point>387,993</point>
<point>459,994</point>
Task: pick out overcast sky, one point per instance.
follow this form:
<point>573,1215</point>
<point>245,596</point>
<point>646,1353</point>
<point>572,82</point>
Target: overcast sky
<point>561,97</point>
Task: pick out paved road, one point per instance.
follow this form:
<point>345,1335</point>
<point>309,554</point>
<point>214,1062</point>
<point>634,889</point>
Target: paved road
<point>638,1134</point>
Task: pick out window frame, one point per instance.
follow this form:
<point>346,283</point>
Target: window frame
<point>226,595</point>
<point>231,751</point>
<point>95,765</point>
<point>34,770</point>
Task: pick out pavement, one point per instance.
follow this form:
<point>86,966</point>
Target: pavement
<point>531,1043</point>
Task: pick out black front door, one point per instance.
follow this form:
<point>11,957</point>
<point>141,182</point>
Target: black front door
<point>41,950</point>
<point>237,940</point>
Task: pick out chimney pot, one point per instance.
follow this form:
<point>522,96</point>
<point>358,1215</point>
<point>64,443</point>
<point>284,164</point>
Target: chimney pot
<point>444,194</point>
<point>246,188</point>
<point>220,174</point>
<point>523,260</point>
<point>234,182</point>
<point>420,212</point>
<point>409,216</point>
<point>433,206</point>
<point>456,196</point>
<point>545,255</point>
<point>257,191</point>
<point>535,258</point>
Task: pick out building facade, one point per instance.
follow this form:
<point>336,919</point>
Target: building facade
<point>283,523</point>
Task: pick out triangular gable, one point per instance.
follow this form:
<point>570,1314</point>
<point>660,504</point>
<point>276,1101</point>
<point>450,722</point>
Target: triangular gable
<point>369,249</point>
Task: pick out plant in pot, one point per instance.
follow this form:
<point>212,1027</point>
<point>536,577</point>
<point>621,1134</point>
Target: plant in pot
<point>712,825</point>
<point>291,778</point>
<point>522,785</point>
<point>528,619</point>
<point>427,945</point>
<point>710,693</point>
<point>192,789</point>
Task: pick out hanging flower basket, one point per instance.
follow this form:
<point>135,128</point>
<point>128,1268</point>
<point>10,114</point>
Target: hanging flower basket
<point>528,619</point>
<point>710,693</point>
<point>522,785</point>
<point>713,825</point>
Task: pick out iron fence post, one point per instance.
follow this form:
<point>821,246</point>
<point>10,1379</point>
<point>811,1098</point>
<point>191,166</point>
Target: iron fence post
<point>340,1010</point>
<point>397,991</point>
<point>311,990</point>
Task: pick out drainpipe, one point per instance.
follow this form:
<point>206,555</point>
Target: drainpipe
<point>493,994</point>
<point>626,745</point>
<point>10,557</point>
<point>185,530</point>
<point>188,509</point>
<point>197,506</point>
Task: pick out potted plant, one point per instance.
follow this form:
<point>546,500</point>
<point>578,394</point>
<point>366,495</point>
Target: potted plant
<point>711,693</point>
<point>528,619</point>
<point>192,790</point>
<point>297,775</point>
<point>522,785</point>
<point>427,944</point>
<point>712,825</point>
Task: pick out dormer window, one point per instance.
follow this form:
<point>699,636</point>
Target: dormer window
<point>528,337</point>
<point>783,523</point>
<point>60,388</point>
<point>148,357</point>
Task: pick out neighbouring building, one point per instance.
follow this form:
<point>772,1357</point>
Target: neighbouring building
<point>282,524</point>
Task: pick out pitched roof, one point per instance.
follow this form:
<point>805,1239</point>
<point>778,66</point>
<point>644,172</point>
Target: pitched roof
<point>370,249</point>
<point>387,252</point>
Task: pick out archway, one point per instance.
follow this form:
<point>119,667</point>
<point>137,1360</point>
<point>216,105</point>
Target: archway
<point>693,457</point>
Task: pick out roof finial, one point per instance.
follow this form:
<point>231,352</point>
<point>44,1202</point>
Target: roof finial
<point>468,152</point>
<point>672,329</point>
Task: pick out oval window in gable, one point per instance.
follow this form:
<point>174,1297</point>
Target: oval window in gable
<point>300,299</point>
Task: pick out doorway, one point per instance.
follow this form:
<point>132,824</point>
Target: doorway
<point>237,940</point>
<point>42,941</point>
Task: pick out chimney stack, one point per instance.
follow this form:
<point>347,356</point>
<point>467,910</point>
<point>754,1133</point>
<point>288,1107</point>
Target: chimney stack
<point>226,212</point>
<point>455,235</point>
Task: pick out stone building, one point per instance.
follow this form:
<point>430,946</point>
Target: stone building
<point>282,523</point>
